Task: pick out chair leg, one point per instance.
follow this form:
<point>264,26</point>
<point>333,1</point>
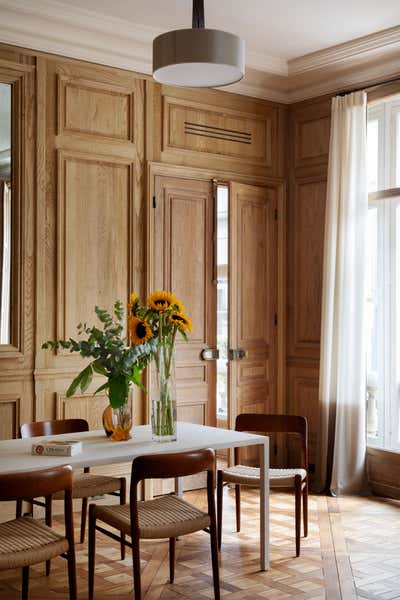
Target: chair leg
<point>297,486</point>
<point>172,542</point>
<point>237,502</point>
<point>83,518</point>
<point>214,559</point>
<point>25,582</point>
<point>92,548</point>
<point>49,521</point>
<point>18,509</point>
<point>220,495</point>
<point>305,508</point>
<point>73,592</point>
<point>136,568</point>
<point>122,500</point>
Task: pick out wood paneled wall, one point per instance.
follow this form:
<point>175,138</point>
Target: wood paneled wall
<point>88,135</point>
<point>308,145</point>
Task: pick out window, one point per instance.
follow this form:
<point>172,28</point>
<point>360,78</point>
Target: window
<point>383,275</point>
<point>222,301</point>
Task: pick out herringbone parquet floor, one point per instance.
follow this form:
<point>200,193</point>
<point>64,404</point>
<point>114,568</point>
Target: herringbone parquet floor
<point>353,551</point>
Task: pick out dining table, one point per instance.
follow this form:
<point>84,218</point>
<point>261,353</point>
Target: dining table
<point>99,450</point>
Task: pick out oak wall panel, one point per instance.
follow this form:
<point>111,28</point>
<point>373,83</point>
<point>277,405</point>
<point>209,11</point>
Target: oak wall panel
<point>94,262</point>
<point>10,407</point>
<point>307,242</point>
<point>311,135</point>
<point>82,406</point>
<point>216,130</point>
<point>95,108</point>
<point>189,126</point>
<point>309,128</point>
<point>303,385</point>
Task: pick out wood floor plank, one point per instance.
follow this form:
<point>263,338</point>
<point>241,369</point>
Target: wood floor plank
<point>352,551</point>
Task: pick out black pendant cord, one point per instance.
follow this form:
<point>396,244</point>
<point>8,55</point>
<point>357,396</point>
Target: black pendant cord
<point>198,14</point>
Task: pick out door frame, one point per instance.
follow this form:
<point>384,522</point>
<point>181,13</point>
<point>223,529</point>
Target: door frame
<point>224,177</point>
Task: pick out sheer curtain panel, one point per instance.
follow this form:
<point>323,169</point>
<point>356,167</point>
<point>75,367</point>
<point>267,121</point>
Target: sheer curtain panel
<point>343,362</point>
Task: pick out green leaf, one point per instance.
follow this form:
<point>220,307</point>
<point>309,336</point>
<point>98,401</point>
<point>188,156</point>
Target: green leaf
<point>74,385</point>
<point>86,378</point>
<point>102,387</point>
<point>118,391</point>
<point>98,368</point>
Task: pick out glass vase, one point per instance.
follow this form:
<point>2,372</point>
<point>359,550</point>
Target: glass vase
<point>122,423</point>
<point>163,396</point>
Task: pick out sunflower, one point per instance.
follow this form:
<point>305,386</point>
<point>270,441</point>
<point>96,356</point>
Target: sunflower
<point>181,321</point>
<point>132,305</point>
<point>139,330</point>
<point>179,306</point>
<point>161,301</point>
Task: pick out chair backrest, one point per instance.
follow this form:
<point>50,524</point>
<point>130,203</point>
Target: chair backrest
<point>163,466</point>
<point>53,427</point>
<point>33,484</point>
<point>262,423</point>
<point>46,482</point>
<point>180,464</point>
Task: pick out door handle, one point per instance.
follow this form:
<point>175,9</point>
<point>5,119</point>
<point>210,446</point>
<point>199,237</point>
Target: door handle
<point>237,354</point>
<point>209,354</point>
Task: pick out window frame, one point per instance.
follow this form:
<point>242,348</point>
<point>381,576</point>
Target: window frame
<point>387,201</point>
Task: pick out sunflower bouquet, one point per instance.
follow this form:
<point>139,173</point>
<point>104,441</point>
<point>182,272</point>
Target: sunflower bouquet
<point>160,320</point>
<point>113,357</point>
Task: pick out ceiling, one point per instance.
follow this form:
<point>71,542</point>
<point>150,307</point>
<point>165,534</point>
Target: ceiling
<point>285,29</point>
<point>295,49</point>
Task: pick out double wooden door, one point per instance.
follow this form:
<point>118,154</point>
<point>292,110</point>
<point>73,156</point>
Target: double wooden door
<point>183,259</point>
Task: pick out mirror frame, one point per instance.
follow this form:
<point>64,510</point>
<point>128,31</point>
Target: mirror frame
<point>18,76</point>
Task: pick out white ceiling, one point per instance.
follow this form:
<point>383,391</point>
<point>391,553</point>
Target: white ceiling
<point>283,29</point>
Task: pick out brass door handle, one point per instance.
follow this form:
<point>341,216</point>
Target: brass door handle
<point>209,354</point>
<point>237,354</point>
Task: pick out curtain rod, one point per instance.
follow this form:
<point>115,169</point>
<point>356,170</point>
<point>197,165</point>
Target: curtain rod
<point>370,87</point>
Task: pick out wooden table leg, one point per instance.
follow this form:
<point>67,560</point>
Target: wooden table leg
<point>264,506</point>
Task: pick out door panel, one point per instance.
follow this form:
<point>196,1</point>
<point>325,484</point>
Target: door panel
<point>183,263</point>
<point>252,300</point>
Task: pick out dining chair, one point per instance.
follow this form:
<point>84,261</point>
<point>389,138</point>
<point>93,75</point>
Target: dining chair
<point>295,479</point>
<point>25,541</point>
<point>163,517</point>
<point>86,484</point>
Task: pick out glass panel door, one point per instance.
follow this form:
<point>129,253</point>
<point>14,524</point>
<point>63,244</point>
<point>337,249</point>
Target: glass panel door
<point>222,303</point>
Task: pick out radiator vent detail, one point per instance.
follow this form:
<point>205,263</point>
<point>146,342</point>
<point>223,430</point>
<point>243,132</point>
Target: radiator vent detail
<point>218,133</point>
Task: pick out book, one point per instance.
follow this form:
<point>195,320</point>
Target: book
<point>58,448</point>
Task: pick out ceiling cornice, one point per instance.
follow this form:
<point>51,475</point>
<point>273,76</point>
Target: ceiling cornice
<point>381,42</point>
<point>55,27</point>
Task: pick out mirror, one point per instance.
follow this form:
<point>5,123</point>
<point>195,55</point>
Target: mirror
<point>5,214</point>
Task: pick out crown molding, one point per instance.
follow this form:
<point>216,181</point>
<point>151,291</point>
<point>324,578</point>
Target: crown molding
<point>368,60</point>
<point>379,42</point>
<point>55,27</point>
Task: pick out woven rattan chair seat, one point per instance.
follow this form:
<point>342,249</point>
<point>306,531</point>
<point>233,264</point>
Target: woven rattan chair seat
<point>251,476</point>
<point>86,485</point>
<point>26,541</point>
<point>163,517</point>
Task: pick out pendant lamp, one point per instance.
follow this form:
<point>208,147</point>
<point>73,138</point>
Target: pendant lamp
<point>198,57</point>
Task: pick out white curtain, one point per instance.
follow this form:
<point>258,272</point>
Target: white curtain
<point>343,362</point>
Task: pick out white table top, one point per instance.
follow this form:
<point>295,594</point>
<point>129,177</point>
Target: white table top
<point>15,455</point>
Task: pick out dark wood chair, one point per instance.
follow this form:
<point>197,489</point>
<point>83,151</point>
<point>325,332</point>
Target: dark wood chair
<point>26,541</point>
<point>164,517</point>
<point>85,484</point>
<point>295,479</point>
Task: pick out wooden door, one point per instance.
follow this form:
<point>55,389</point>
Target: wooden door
<point>252,300</point>
<point>182,261</point>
